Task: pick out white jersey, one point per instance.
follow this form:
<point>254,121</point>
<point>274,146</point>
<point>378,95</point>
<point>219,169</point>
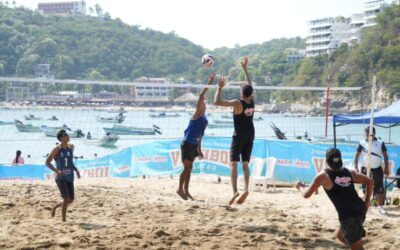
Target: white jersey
<point>377,149</point>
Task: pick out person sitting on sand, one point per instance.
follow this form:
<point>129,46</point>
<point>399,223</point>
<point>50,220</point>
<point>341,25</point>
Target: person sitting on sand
<point>191,144</point>
<point>338,183</point>
<point>243,135</point>
<point>65,167</point>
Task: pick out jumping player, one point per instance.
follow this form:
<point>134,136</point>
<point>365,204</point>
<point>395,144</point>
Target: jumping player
<point>338,183</point>
<point>63,155</point>
<point>191,144</point>
<point>243,135</point>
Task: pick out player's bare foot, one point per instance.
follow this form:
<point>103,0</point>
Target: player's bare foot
<point>181,194</point>
<point>234,198</point>
<point>188,195</point>
<point>53,211</point>
<point>243,197</point>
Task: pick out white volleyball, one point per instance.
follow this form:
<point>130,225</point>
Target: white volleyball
<point>208,60</point>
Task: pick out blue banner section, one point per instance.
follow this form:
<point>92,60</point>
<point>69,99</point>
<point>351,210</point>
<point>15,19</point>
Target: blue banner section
<point>294,160</point>
<point>23,172</point>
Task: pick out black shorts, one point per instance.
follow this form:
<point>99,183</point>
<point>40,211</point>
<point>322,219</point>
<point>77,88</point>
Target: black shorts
<point>377,176</point>
<point>241,147</point>
<point>189,151</point>
<point>66,189</point>
<point>352,228</point>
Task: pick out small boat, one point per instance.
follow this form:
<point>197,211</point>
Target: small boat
<point>6,123</point>
<point>213,125</point>
<point>118,119</point>
<point>52,132</point>
<point>163,115</point>
<point>31,117</point>
<point>53,118</point>
<point>230,122</point>
<point>125,130</point>
<point>26,128</point>
<point>120,110</point>
<point>107,140</point>
<point>254,118</point>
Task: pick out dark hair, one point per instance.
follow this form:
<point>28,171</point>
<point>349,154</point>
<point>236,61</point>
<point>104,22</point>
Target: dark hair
<point>247,90</point>
<point>18,154</point>
<point>367,130</point>
<point>334,158</point>
<point>60,134</point>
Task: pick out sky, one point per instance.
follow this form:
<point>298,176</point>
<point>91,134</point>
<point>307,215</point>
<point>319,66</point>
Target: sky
<point>223,23</point>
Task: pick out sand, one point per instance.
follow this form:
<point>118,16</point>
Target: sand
<point>147,214</point>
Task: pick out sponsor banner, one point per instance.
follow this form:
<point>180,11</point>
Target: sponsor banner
<point>294,160</point>
<point>22,172</point>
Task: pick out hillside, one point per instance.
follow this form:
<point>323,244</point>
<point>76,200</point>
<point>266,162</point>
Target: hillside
<point>93,48</point>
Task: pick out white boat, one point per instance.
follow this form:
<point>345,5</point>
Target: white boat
<point>31,117</point>
<point>254,118</point>
<point>6,123</point>
<point>226,122</point>
<point>163,115</point>
<point>107,140</point>
<point>53,118</point>
<point>120,110</point>
<point>125,130</point>
<point>26,128</point>
<point>52,132</point>
<point>214,125</point>
<point>117,119</point>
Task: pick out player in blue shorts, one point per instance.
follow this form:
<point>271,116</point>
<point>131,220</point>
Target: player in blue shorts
<point>63,154</point>
<point>191,144</point>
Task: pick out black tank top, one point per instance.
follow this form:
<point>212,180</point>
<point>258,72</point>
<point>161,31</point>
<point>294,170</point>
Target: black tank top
<point>343,194</point>
<point>243,122</point>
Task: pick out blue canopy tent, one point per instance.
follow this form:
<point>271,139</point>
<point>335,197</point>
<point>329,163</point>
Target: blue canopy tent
<point>386,118</point>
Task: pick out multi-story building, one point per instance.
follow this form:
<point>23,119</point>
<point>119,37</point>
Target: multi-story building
<point>63,8</point>
<point>151,93</point>
<point>329,33</point>
<point>356,23</point>
<point>295,55</point>
<point>371,9</point>
<point>326,34</point>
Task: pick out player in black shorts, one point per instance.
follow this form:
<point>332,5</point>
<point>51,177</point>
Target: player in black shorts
<point>243,135</point>
<point>338,183</point>
<point>63,155</point>
<point>191,144</point>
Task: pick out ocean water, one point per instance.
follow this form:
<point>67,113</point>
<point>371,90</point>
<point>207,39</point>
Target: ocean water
<point>37,145</point>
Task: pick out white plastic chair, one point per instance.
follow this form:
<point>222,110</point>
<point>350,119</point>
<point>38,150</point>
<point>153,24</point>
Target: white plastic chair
<point>256,176</point>
<point>394,194</point>
<point>271,162</point>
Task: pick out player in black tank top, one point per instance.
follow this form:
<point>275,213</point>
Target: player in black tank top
<point>243,136</point>
<point>338,183</point>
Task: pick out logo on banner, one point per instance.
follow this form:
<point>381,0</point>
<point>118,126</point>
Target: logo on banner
<point>319,164</point>
<point>213,155</point>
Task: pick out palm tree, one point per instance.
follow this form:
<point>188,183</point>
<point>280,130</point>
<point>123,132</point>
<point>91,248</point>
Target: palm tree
<point>91,11</point>
<point>14,3</point>
<point>7,2</point>
<point>98,9</point>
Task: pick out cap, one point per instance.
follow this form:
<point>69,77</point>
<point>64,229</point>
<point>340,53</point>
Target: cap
<point>334,158</point>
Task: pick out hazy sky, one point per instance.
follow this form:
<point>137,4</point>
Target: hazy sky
<point>218,23</point>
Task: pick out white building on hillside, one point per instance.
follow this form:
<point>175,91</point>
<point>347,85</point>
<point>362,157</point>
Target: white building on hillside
<point>63,8</point>
<point>153,92</point>
<point>371,10</point>
<point>325,34</point>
